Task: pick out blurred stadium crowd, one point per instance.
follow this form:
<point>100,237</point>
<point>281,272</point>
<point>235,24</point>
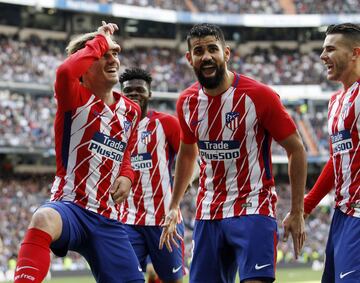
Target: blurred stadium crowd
<point>246,6</point>
<point>33,61</point>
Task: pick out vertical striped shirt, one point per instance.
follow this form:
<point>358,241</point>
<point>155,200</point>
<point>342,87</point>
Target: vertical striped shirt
<point>344,131</point>
<point>234,131</point>
<point>158,138</point>
<point>92,139</point>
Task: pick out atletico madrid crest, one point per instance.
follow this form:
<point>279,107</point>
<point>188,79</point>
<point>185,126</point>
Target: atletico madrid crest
<point>127,125</point>
<point>146,137</point>
<point>232,120</point>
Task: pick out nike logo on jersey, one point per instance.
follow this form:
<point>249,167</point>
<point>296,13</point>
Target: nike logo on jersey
<point>139,268</point>
<point>25,267</point>
<point>174,270</point>
<point>258,267</point>
<point>194,123</point>
<point>342,275</point>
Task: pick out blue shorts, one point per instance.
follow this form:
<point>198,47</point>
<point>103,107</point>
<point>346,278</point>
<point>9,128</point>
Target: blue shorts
<point>342,263</point>
<point>222,246</point>
<point>101,241</point>
<point>145,241</point>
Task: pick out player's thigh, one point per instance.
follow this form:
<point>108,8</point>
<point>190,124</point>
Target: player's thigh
<point>48,220</point>
<point>254,239</point>
<point>346,247</point>
<point>137,240</point>
<point>72,231</point>
<point>168,265</point>
<point>109,252</point>
<point>209,263</point>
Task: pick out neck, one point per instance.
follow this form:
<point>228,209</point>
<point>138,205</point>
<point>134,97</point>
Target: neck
<point>143,112</point>
<point>103,92</point>
<point>224,85</point>
<point>350,80</point>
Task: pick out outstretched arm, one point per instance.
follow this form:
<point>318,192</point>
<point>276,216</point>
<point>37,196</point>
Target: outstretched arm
<point>294,223</point>
<point>322,187</point>
<point>183,171</point>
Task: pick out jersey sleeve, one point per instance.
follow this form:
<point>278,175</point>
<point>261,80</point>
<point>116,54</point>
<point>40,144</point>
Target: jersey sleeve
<point>186,135</point>
<point>273,115</point>
<point>172,131</point>
<point>126,168</point>
<point>68,74</point>
<point>322,187</point>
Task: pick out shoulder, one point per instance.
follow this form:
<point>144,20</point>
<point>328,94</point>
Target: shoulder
<point>334,95</point>
<point>161,116</point>
<point>257,91</point>
<point>190,91</point>
<point>131,105</point>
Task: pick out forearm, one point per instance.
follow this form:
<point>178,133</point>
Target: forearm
<point>184,168</point>
<point>79,62</point>
<point>297,176</point>
<point>323,185</point>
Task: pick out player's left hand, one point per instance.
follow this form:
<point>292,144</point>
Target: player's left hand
<point>121,189</point>
<point>294,223</point>
<point>169,233</point>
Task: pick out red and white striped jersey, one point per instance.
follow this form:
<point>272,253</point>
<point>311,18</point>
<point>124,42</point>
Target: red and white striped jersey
<point>158,138</point>
<point>234,131</point>
<point>92,140</point>
<point>344,131</point>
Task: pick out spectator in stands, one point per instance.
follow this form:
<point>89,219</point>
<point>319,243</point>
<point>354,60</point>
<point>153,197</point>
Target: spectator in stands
<point>94,134</point>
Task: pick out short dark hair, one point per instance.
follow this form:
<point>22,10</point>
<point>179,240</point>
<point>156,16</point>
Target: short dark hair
<point>135,74</point>
<point>349,30</point>
<point>203,30</point>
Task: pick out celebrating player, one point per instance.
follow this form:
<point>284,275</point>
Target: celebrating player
<point>94,130</point>
<point>158,138</point>
<point>341,56</point>
<point>230,120</point>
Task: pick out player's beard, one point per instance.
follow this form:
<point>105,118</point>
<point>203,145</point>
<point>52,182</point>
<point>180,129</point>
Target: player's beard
<point>210,82</point>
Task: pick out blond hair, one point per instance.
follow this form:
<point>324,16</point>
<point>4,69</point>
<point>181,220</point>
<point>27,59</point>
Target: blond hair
<point>79,42</point>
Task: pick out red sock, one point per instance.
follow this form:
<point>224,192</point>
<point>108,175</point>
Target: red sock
<point>34,257</point>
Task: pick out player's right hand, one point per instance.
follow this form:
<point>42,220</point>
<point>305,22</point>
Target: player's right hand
<point>294,224</point>
<point>169,233</point>
<point>108,29</point>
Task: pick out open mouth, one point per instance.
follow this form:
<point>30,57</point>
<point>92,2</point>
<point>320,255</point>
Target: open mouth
<point>111,71</point>
<point>208,70</point>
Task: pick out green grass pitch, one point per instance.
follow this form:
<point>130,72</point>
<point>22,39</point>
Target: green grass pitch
<point>298,275</point>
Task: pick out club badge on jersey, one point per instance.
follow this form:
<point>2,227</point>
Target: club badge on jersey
<point>345,110</point>
<point>127,125</point>
<point>232,120</point>
<point>146,137</point>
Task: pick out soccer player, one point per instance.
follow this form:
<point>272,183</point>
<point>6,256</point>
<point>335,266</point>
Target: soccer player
<point>94,131</point>
<point>341,56</point>
<point>230,120</point>
<point>158,138</point>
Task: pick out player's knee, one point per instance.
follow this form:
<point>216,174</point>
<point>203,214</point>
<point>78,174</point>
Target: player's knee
<point>48,220</point>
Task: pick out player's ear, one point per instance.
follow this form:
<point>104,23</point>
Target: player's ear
<point>227,53</point>
<point>356,52</point>
<point>188,57</point>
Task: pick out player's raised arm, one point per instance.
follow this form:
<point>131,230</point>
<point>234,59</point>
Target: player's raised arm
<point>83,51</point>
